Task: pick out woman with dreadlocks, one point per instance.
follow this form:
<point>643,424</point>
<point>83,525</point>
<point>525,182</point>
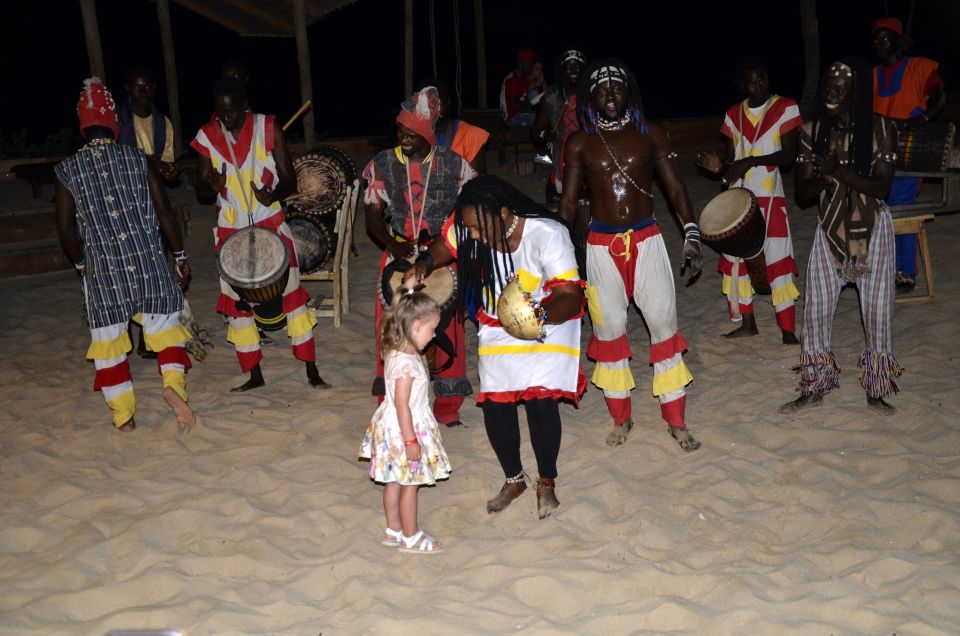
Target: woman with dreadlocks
<point>847,158</point>
<point>616,152</point>
<point>495,234</point>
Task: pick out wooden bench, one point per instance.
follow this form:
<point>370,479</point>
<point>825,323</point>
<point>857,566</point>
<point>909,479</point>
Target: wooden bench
<point>36,174</point>
<point>911,218</point>
<point>502,137</point>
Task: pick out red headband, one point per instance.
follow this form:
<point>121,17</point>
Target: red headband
<point>420,113</point>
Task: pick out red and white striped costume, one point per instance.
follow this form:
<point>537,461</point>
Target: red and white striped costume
<point>633,264</point>
<point>109,345</point>
<point>756,132</point>
<point>238,208</point>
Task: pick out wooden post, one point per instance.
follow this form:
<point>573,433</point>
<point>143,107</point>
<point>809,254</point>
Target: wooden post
<point>170,72</point>
<point>306,76</point>
<point>407,48</point>
<point>481,53</point>
<point>95,54</point>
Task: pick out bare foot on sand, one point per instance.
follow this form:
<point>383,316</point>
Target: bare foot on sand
<point>880,406</point>
<point>255,381</point>
<point>546,497</point>
<point>802,402</point>
<point>746,330</point>
<point>129,427</point>
<point>619,433</point>
<point>683,436</point>
<point>790,338</point>
<point>185,417</point>
<point>313,377</point>
<point>507,494</point>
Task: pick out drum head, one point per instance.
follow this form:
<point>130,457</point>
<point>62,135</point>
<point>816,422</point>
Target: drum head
<point>311,242</point>
<point>323,175</point>
<point>724,211</point>
<point>252,258</point>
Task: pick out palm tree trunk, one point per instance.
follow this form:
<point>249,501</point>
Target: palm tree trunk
<point>811,54</point>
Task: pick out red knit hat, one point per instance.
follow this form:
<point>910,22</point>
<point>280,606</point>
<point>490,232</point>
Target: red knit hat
<point>526,55</point>
<point>896,26</point>
<point>420,113</point>
<point>96,107</point>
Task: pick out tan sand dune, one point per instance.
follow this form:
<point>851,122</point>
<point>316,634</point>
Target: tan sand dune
<point>262,521</point>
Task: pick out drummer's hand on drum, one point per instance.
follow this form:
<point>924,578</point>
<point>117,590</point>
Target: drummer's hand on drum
<point>264,195</point>
<point>218,180</point>
<point>710,161</point>
<point>402,250</point>
<point>692,259</point>
<point>414,277</point>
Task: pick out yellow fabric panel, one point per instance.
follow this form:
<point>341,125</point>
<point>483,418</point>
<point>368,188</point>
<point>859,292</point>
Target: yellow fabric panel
<point>123,408</point>
<point>593,305</point>
<point>784,293</point>
<point>746,289</point>
<point>613,379</point>
<point>138,318</point>
<point>261,158</point>
<point>768,184</point>
<point>570,274</point>
<point>238,187</point>
<point>243,337</point>
<point>175,335</point>
<point>229,214</point>
<point>528,281</point>
<point>177,381</point>
<point>106,349</point>
<point>300,325</point>
<point>530,348</point>
<point>672,380</point>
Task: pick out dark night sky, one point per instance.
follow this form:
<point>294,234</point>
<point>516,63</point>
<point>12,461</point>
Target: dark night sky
<point>682,53</point>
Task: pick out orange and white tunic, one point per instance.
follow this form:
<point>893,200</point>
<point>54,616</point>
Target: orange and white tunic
<point>756,132</point>
<point>511,369</point>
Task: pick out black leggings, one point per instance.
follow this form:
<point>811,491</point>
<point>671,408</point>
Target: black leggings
<point>503,430</point>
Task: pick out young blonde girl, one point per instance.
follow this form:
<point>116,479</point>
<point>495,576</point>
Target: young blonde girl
<point>403,439</point>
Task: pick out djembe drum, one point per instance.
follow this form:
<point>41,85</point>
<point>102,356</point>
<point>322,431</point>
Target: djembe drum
<point>733,224</point>
<point>255,262</point>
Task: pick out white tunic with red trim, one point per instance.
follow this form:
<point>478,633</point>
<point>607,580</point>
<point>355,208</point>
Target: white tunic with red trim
<point>756,132</point>
<point>511,369</point>
<point>237,207</point>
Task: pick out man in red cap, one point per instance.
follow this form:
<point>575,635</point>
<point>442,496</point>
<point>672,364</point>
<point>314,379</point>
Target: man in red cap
<point>514,102</point>
<point>908,90</point>
<point>411,189</point>
<point>111,207</point>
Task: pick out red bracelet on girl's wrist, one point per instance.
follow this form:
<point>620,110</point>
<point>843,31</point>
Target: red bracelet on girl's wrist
<point>410,442</point>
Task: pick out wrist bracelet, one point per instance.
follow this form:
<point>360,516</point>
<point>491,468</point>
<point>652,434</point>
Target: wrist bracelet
<point>411,442</point>
<point>691,232</point>
<point>180,256</point>
<point>82,265</point>
<point>426,258</point>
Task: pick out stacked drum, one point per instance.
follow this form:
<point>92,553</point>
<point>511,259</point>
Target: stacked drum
<point>323,175</point>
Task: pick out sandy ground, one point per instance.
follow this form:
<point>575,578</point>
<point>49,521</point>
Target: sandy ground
<point>262,521</point>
